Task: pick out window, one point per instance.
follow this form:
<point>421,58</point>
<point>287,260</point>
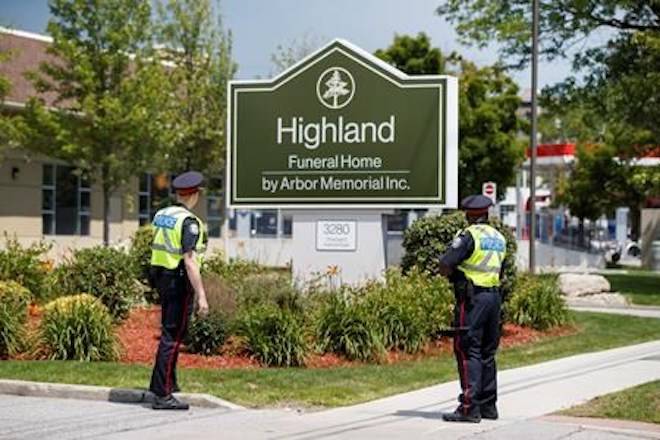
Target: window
<point>154,193</point>
<point>264,223</point>
<point>65,201</point>
<point>214,207</point>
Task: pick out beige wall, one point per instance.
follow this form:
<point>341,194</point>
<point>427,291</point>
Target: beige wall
<point>20,210</point>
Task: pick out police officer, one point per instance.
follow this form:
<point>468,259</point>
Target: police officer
<point>177,248</point>
<point>474,264</point>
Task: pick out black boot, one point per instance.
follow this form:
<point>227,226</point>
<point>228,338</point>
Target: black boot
<point>489,412</point>
<point>169,402</point>
<point>460,415</point>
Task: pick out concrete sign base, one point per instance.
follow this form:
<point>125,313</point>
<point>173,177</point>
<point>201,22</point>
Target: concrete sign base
<point>336,247</point>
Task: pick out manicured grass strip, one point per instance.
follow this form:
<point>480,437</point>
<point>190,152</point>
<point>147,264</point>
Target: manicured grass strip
<point>641,404</point>
<point>340,386</point>
<point>640,287</point>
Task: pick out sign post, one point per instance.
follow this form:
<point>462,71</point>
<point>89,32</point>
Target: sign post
<point>339,139</point>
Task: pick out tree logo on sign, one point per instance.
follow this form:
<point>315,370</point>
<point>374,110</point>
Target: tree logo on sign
<point>335,88</point>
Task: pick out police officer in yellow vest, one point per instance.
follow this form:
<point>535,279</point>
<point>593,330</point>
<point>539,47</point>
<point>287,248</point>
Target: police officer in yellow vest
<point>474,264</point>
<point>177,249</point>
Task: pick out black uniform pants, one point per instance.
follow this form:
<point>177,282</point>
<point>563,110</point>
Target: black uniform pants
<point>475,349</point>
<point>176,300</point>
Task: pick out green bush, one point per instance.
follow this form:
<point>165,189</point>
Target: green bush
<point>345,326</point>
<point>275,337</point>
<point>140,256</point>
<point>268,289</point>
<point>103,272</point>
<point>234,271</point>
<point>27,266</point>
<point>537,302</point>
<point>78,328</point>
<point>427,300</point>
<point>206,335</point>
<point>14,301</point>
<point>429,237</point>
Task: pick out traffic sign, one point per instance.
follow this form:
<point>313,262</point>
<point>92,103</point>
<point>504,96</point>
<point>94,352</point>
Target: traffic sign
<point>489,189</point>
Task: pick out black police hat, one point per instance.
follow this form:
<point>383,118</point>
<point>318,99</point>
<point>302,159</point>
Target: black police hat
<point>476,203</point>
<point>189,181</point>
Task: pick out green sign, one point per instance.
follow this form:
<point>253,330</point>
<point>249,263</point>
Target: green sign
<point>343,129</point>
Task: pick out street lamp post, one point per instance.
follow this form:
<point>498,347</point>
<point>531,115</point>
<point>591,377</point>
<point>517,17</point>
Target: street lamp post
<point>532,165</point>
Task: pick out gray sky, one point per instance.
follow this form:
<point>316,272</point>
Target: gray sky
<point>259,26</point>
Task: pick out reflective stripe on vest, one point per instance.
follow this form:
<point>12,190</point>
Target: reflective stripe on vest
<point>166,250</point>
<point>484,265</point>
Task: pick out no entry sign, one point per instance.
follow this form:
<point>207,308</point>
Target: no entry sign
<point>489,189</point>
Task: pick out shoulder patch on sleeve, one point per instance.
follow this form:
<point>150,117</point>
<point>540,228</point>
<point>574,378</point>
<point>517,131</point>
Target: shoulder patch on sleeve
<point>457,242</point>
<point>193,228</point>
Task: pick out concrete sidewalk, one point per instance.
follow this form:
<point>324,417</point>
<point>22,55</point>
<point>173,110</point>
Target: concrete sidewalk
<point>525,394</point>
<point>640,311</point>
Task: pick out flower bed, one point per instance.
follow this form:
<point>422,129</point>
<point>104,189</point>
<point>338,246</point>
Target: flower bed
<point>139,335</point>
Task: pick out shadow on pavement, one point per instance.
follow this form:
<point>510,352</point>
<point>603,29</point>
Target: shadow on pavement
<point>435,415</point>
<point>143,398</point>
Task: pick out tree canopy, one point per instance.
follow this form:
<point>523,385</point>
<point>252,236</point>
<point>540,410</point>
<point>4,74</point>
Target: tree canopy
<point>488,100</point>
<point>563,24</point>
<point>198,52</point>
<point>106,84</point>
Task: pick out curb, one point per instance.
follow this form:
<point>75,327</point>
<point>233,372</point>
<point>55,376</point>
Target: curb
<point>106,394</point>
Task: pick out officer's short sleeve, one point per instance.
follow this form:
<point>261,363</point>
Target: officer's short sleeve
<point>190,234</point>
<point>460,249</point>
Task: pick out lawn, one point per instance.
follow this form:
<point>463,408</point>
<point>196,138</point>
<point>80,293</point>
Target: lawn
<point>641,287</point>
<point>641,403</point>
<point>339,386</point>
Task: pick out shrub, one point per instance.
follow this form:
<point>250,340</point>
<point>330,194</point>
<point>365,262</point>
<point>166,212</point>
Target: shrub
<point>206,334</point>
<point>220,296</point>
<point>274,336</point>
<point>234,271</point>
<point>140,256</point>
<point>14,300</point>
<point>430,298</point>
<point>346,327</point>
<point>26,266</point>
<point>537,302</point>
<point>103,272</point>
<point>79,328</point>
<point>429,237</point>
<point>268,289</point>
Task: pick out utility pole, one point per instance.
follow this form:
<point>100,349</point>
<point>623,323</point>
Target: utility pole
<point>532,165</point>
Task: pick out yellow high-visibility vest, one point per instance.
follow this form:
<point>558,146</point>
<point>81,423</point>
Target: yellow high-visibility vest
<point>484,265</point>
<point>166,250</point>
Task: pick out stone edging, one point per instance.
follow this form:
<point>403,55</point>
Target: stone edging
<point>88,392</point>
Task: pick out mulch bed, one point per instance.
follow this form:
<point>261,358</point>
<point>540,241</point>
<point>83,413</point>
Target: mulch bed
<point>140,332</point>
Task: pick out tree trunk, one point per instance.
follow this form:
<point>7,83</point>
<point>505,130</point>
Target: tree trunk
<point>635,220</point>
<point>106,205</point>
<point>106,215</point>
<point>581,233</point>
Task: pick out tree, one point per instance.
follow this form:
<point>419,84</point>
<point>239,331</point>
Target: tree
<point>286,55</point>
<point>198,52</point>
<point>563,24</point>
<point>106,119</point>
<point>615,106</point>
<point>488,101</point>
<point>6,128</point>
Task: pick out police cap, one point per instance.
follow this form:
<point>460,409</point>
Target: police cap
<point>188,182</point>
<point>476,203</point>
